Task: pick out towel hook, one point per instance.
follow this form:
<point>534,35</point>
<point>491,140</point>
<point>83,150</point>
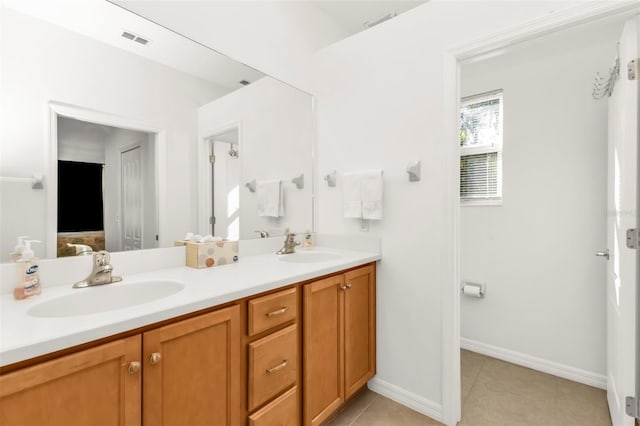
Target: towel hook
<point>298,181</point>
<point>251,185</point>
<point>331,179</point>
<point>414,171</point>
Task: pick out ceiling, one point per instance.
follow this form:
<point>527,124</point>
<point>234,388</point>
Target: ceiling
<point>105,22</point>
<point>350,15</point>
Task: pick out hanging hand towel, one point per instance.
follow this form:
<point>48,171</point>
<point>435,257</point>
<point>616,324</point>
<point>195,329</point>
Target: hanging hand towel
<point>270,200</point>
<point>362,194</point>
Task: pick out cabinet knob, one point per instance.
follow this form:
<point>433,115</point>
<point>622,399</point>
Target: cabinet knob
<point>343,287</point>
<point>348,286</point>
<point>155,358</point>
<point>134,367</point>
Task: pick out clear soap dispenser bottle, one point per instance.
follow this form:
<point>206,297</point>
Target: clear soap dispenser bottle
<point>28,275</point>
<point>18,249</point>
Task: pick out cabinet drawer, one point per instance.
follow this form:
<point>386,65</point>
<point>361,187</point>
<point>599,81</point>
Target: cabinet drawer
<point>274,309</point>
<point>283,411</point>
<point>273,365</point>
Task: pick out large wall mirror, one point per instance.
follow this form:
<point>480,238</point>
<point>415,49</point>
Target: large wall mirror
<point>120,134</point>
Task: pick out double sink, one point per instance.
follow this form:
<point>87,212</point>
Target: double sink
<point>123,294</point>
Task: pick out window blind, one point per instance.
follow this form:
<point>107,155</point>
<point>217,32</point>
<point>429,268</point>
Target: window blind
<point>481,147</point>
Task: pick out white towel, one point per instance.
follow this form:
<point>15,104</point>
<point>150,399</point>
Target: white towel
<point>362,194</point>
<point>270,200</point>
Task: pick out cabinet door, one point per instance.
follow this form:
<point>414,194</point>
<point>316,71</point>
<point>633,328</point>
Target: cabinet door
<point>359,328</point>
<point>323,349</point>
<point>192,371</point>
<point>91,387</point>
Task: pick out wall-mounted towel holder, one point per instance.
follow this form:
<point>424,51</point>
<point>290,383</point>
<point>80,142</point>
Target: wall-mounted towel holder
<point>251,185</point>
<point>331,179</point>
<point>298,181</point>
<point>414,171</point>
<point>36,180</point>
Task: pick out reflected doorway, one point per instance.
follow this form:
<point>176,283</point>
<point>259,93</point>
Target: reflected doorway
<point>224,150</point>
<point>106,188</point>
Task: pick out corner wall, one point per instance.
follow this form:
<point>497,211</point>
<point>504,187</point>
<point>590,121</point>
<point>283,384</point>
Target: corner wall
<point>380,105</point>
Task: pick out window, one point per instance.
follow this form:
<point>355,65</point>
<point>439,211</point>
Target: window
<point>481,149</point>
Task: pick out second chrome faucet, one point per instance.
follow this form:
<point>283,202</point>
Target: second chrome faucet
<point>290,243</point>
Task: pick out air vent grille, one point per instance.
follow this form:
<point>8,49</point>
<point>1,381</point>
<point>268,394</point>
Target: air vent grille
<point>129,35</point>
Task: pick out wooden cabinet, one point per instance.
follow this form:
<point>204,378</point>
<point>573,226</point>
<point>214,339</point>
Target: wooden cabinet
<point>187,372</point>
<point>98,386</point>
<point>339,341</point>
<point>359,329</point>
<point>272,348</point>
<point>251,363</point>
<point>192,371</point>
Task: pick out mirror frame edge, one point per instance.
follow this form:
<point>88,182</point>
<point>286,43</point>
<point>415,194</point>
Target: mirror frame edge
<point>57,109</point>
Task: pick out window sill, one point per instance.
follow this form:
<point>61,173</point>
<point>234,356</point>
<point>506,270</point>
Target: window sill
<point>481,203</point>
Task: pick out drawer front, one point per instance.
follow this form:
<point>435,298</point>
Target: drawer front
<point>273,365</point>
<point>271,310</point>
<point>283,411</point>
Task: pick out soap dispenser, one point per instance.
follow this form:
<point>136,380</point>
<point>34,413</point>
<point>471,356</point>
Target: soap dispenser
<point>28,276</point>
<point>18,249</point>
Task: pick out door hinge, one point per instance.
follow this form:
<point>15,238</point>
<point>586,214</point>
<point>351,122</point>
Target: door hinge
<point>633,69</point>
<point>633,238</point>
<point>212,220</point>
<point>632,408</point>
<point>212,159</point>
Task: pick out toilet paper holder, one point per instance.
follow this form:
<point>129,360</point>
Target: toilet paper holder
<point>473,289</point>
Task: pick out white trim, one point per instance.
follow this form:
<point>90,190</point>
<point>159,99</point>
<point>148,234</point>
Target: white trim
<point>204,173</point>
<point>579,14</point>
<point>406,398</point>
<point>487,202</point>
<point>540,364</point>
<point>55,109</point>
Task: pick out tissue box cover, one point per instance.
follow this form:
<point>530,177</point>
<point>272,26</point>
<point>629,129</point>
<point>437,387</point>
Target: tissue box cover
<point>207,255</point>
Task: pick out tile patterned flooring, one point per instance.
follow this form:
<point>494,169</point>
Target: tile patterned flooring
<point>494,393</point>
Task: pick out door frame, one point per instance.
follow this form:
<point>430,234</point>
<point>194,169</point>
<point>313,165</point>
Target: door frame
<point>60,109</point>
<point>453,58</point>
<point>204,172</point>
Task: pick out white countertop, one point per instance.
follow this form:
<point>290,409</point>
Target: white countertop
<point>24,336</point>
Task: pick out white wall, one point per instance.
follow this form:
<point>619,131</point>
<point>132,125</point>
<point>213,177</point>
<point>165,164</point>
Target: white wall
<point>536,252</point>
<point>76,142</point>
<point>380,104</point>
<point>276,37</point>
<point>276,132</point>
<point>42,63</point>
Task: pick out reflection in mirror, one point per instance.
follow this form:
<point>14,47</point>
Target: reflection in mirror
<point>91,91</point>
<point>106,188</point>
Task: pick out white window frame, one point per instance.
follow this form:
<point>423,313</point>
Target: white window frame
<point>485,149</point>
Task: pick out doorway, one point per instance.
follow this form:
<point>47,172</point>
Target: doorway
<point>543,288</point>
<point>105,194</point>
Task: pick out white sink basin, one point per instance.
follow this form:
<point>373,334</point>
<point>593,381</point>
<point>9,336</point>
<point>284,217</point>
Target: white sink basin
<point>104,298</point>
<point>308,257</point>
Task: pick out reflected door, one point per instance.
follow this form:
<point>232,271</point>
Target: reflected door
<point>131,199</point>
<point>622,212</point>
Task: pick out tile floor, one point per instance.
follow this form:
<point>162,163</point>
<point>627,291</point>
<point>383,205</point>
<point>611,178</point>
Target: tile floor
<point>494,393</point>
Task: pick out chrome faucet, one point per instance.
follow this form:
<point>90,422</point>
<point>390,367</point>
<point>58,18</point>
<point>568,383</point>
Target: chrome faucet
<point>289,243</point>
<point>101,273</point>
<point>263,234</point>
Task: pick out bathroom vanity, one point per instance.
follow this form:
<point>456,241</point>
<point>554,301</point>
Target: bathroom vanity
<point>258,342</point>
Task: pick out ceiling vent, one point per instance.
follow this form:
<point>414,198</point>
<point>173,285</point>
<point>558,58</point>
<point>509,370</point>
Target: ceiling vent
<point>134,37</point>
<point>380,20</point>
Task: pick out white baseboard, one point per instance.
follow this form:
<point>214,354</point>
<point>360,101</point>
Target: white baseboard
<point>406,398</point>
<point>546,366</point>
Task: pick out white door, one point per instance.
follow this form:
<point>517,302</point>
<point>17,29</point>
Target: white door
<point>131,199</point>
<point>622,214</point>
